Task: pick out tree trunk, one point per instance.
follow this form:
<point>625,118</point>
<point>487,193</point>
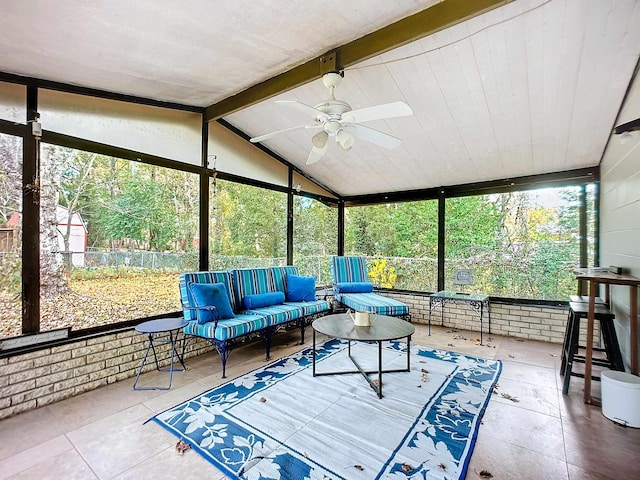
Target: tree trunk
<point>53,279</point>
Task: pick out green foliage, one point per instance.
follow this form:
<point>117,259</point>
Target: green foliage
<point>142,213</point>
<point>248,221</point>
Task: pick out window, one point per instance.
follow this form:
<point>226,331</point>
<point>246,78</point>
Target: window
<point>315,237</point>
<point>115,235</point>
<point>400,238</point>
<point>518,244</point>
<point>10,235</point>
<point>247,226</point>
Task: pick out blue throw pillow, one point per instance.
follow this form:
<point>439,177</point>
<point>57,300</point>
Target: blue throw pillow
<point>211,295</point>
<point>258,300</point>
<point>301,289</point>
<point>354,287</point>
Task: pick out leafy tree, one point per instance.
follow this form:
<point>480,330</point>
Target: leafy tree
<point>142,213</point>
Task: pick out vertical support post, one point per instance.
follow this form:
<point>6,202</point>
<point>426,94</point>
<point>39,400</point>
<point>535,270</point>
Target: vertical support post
<point>290,219</point>
<point>203,247</point>
<point>582,228</point>
<point>31,219</point>
<point>341,227</point>
<point>441,238</point>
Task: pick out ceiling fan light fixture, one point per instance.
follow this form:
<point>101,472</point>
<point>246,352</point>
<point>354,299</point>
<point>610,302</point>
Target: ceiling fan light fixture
<point>320,139</point>
<point>345,139</point>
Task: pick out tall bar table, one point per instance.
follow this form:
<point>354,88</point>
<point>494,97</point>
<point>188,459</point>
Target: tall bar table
<point>595,277</point>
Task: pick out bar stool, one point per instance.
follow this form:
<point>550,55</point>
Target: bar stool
<point>578,310</point>
<point>585,299</point>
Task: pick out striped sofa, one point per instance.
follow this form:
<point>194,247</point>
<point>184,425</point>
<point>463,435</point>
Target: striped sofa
<point>350,279</point>
<point>224,334</point>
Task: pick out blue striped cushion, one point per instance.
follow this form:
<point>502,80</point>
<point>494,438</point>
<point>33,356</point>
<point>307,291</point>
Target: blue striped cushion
<point>374,303</point>
<point>202,277</point>
<point>250,281</point>
<point>309,308</point>
<point>277,314</point>
<point>279,276</point>
<point>348,269</point>
<point>228,328</point>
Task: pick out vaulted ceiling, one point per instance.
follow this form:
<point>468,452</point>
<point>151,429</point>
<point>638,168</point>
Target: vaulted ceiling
<point>498,89</point>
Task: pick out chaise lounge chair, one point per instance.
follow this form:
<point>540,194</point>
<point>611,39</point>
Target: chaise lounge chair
<point>353,289</point>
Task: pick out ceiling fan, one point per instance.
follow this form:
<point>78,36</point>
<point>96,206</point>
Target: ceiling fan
<point>338,121</point>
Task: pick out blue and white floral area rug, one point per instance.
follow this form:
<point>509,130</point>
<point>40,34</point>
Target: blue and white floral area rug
<point>281,423</point>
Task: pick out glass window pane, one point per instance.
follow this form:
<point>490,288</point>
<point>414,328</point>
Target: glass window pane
<point>115,236</point>
<point>10,235</point>
<point>13,102</point>
<point>400,238</point>
<point>315,237</point>
<point>247,226</point>
<point>518,244</point>
<point>164,132</point>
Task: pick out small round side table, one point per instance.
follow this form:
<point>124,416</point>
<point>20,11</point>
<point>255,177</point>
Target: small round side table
<point>153,328</point>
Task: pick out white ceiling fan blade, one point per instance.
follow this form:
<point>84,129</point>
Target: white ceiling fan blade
<point>304,108</point>
<point>316,153</point>
<point>374,136</point>
<point>378,112</point>
<point>266,136</point>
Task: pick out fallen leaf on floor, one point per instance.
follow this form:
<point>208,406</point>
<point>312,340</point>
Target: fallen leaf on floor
<point>485,474</point>
<point>510,397</point>
<point>406,467</point>
<point>425,378</point>
<point>424,370</point>
<point>182,447</point>
<point>442,466</point>
<point>262,399</point>
<point>376,382</point>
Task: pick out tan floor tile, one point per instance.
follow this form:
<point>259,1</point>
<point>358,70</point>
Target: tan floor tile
<point>524,428</point>
<point>506,461</point>
<point>169,464</point>
<point>30,459</point>
<point>118,442</point>
<point>532,397</point>
<point>25,430</point>
<point>68,466</point>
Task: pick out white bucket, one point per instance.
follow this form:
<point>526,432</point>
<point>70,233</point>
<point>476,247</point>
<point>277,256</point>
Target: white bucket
<point>621,397</point>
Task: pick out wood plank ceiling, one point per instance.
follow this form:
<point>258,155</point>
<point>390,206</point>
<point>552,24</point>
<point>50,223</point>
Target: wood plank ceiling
<point>533,86</point>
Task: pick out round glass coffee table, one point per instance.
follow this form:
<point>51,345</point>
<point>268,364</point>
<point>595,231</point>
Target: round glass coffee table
<point>383,328</point>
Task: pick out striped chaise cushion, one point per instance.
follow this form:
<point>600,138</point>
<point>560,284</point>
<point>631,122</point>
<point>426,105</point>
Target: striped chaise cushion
<point>348,269</point>
<point>374,303</point>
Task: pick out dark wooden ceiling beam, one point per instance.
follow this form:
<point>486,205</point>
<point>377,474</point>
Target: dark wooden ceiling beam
<point>414,27</point>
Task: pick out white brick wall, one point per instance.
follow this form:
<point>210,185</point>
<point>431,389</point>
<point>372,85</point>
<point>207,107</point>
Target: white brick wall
<point>534,322</point>
<point>38,378</point>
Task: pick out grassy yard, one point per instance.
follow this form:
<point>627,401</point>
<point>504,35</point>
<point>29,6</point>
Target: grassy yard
<point>98,301</point>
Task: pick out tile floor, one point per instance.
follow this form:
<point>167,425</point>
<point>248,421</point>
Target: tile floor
<point>545,435</point>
